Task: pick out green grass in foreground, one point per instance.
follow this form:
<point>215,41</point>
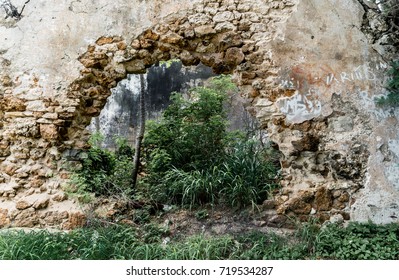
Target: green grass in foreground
<point>357,241</point>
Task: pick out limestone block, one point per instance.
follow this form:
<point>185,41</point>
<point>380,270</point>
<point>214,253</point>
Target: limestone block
<point>225,26</point>
<point>199,19</point>
<point>230,39</point>
<point>135,66</point>
<point>244,7</point>
<point>251,16</point>
<point>26,218</point>
<point>51,116</point>
<point>234,56</point>
<point>342,124</point>
<point>10,104</point>
<point>150,34</point>
<point>104,40</point>
<point>49,131</point>
<point>60,197</point>
<point>188,59</point>
<point>75,220</point>
<point>22,205</point>
<point>36,106</point>
<point>223,16</point>
<point>211,10</point>
<point>14,114</point>
<point>42,203</point>
<point>205,48</point>
<point>4,219</point>
<point>9,168</point>
<point>323,199</point>
<point>204,30</point>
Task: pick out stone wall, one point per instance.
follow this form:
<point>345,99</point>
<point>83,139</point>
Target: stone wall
<point>308,69</point>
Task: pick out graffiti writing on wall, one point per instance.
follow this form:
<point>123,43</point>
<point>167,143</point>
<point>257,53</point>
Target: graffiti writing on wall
<point>300,107</point>
<point>301,75</point>
<point>313,83</point>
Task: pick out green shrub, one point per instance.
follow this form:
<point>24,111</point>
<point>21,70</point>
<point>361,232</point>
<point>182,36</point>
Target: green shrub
<point>392,98</point>
<point>193,160</point>
<point>192,188</point>
<point>104,172</point>
<point>200,247</point>
<point>191,133</point>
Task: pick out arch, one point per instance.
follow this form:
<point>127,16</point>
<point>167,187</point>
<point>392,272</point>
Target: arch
<point>110,59</point>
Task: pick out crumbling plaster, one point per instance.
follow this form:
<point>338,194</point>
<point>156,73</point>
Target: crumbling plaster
<point>307,68</point>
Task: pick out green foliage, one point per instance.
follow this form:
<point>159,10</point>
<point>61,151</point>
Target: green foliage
<point>92,244</point>
<point>359,242</point>
<point>191,132</point>
<point>247,173</point>
<point>141,216</point>
<point>193,160</point>
<point>200,247</point>
<point>104,172</point>
<point>309,241</point>
<point>168,63</point>
<point>392,98</point>
<point>190,188</point>
<point>153,233</point>
<point>201,214</point>
<point>243,176</point>
<point>189,157</point>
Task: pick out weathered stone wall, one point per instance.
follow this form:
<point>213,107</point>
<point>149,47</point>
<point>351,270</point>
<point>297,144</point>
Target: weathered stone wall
<point>308,69</point>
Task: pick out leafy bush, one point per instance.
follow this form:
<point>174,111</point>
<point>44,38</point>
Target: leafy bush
<point>393,87</point>
<point>190,188</point>
<point>104,172</point>
<point>191,132</point>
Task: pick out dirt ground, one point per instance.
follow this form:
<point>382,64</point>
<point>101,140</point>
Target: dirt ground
<point>217,221</point>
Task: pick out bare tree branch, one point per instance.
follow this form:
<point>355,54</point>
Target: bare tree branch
<point>11,10</point>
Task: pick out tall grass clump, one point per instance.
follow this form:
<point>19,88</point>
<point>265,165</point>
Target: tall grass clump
<point>247,173</point>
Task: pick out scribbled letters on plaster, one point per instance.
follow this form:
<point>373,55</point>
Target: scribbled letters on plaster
<point>311,89</point>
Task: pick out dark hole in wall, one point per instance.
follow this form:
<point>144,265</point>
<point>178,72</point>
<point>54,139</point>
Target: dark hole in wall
<point>119,118</point>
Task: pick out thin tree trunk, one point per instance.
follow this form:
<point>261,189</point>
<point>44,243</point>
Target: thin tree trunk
<point>139,133</point>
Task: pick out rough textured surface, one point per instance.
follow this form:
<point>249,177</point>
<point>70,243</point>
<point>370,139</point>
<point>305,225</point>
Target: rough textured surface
<point>309,70</point>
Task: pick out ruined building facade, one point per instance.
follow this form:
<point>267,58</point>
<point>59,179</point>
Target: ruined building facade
<point>309,71</point>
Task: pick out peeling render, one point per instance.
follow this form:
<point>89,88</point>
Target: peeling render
<point>307,68</point>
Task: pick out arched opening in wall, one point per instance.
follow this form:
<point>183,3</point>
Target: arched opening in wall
<point>191,144</point>
<point>119,117</point>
